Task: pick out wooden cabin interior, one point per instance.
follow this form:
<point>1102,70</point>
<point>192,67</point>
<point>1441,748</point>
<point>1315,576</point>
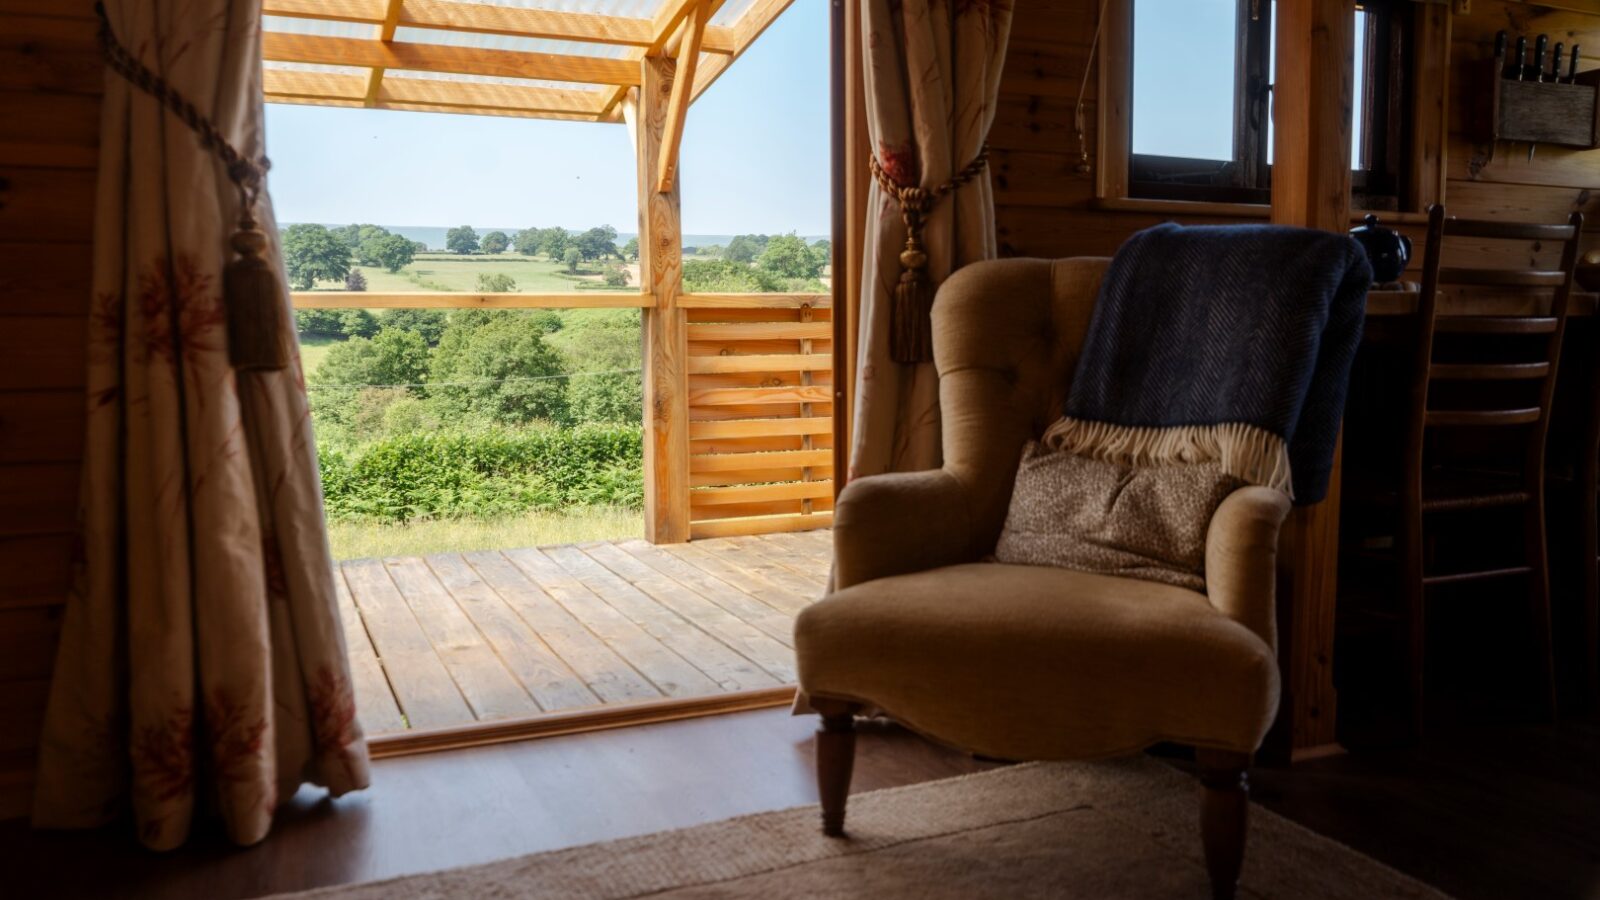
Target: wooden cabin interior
<point>1499,797</point>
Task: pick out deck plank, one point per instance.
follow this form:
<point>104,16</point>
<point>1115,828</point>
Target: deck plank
<point>808,555</point>
<point>753,557</point>
<point>376,708</point>
<point>606,673</point>
<point>491,690</point>
<point>749,641</point>
<point>674,675</point>
<point>648,561</point>
<point>551,682</point>
<point>423,688</point>
<point>753,583</point>
<point>731,671</point>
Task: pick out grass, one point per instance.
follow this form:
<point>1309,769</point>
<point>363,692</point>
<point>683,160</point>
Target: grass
<point>359,540</point>
<point>314,349</point>
<point>449,272</point>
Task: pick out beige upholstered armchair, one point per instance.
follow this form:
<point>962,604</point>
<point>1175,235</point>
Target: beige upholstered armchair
<point>1021,662</point>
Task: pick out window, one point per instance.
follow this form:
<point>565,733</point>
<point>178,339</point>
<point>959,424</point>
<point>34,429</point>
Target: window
<point>1202,95</point>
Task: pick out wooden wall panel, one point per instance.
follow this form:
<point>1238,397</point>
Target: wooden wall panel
<point>50,81</point>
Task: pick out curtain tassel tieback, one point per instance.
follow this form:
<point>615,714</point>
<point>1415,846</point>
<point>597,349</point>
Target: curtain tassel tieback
<point>911,326</point>
<point>252,296</point>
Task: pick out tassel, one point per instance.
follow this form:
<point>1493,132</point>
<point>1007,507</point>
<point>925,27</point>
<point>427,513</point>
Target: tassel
<point>911,334</point>
<point>256,327</point>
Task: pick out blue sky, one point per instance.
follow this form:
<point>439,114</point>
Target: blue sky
<point>754,158</point>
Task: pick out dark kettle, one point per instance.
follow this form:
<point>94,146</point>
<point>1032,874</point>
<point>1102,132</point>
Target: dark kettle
<point>1387,250</point>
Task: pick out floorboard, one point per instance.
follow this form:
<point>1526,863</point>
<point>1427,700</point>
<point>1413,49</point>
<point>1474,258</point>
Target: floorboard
<point>423,688</point>
<point>1509,812</point>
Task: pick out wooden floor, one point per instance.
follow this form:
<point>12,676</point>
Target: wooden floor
<point>1502,813</point>
<point>451,639</point>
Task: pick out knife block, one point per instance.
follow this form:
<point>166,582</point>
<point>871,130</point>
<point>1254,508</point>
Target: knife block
<point>1543,112</point>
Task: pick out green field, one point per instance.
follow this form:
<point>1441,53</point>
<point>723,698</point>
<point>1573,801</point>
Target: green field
<point>313,350</point>
<point>449,272</point>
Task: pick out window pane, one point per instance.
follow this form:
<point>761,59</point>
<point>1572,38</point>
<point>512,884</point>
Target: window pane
<point>1183,64</point>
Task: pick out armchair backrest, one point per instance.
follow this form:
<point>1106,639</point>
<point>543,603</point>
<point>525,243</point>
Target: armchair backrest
<point>1006,339</point>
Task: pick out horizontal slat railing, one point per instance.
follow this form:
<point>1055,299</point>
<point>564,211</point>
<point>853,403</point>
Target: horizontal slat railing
<point>760,392</point>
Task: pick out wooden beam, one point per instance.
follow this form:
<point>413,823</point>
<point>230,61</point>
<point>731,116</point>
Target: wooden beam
<point>666,405</point>
<point>485,18</point>
<point>332,51</point>
<point>391,20</point>
<point>663,27</point>
<point>748,29</point>
<point>293,84</point>
<point>688,57</point>
<point>1311,188</point>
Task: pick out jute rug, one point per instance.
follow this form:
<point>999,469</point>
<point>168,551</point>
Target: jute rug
<point>1125,829</point>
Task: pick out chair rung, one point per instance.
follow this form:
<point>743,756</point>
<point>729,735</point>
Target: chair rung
<point>1457,577</point>
<point>1502,277</point>
<point>1495,324</point>
<point>1460,417</point>
<point>1478,501</point>
<point>1487,371</point>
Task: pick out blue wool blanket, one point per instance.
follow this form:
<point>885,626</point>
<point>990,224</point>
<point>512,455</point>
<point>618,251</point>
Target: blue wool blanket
<point>1226,344</point>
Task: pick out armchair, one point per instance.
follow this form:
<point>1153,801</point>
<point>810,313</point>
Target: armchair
<point>1021,662</point>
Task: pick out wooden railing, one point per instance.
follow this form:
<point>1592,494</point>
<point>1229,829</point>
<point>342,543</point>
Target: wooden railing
<point>759,387</point>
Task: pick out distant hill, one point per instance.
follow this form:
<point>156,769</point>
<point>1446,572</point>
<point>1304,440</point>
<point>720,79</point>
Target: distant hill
<point>433,235</point>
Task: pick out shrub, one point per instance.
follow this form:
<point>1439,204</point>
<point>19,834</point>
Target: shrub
<point>728,275</point>
<point>496,283</point>
<point>616,276</point>
<point>572,257</point>
<point>336,323</point>
<point>487,473</point>
<point>430,323</point>
<point>355,281</point>
<point>499,366</point>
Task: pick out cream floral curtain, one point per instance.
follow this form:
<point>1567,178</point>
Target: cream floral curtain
<point>932,71</point>
<point>201,668</point>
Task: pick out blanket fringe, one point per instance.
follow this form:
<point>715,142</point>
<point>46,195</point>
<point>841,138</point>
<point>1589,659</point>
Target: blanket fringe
<point>1244,451</point>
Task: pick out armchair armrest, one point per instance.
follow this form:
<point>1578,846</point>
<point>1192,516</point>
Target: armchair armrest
<point>898,523</point>
<point>1242,558</point>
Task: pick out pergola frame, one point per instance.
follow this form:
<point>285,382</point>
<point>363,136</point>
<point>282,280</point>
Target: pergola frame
<point>732,425</point>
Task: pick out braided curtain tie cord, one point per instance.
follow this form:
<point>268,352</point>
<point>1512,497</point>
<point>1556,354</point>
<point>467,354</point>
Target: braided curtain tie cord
<point>916,202</point>
<point>246,174</point>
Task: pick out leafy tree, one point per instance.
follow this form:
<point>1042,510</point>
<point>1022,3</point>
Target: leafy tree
<point>496,283</point>
<point>528,241</point>
<point>500,367</point>
<point>787,256</point>
<point>745,248</point>
<point>602,347</point>
<point>336,323</point>
<point>707,250</point>
<point>573,258</point>
<point>391,251</point>
<point>419,246</point>
<point>554,242</point>
<point>598,243</point>
<point>430,323</point>
<point>461,240</point>
<point>616,276</point>
<point>311,254</point>
<point>630,250</point>
<point>392,359</point>
<point>355,281</point>
<point>727,275</point>
<point>822,252</point>
<point>496,242</point>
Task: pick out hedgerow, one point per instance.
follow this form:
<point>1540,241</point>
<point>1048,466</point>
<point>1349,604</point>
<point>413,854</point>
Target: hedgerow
<point>492,472</point>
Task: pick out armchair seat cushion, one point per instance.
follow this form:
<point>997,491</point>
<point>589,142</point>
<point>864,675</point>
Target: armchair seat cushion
<point>1027,662</point>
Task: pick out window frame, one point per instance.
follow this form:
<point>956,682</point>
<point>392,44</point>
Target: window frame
<point>1379,168</point>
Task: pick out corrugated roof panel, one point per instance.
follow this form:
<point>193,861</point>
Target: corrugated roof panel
<point>633,9</point>
<point>319,27</point>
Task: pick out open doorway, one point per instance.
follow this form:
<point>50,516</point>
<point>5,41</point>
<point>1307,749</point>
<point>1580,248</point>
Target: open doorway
<point>536,372</point>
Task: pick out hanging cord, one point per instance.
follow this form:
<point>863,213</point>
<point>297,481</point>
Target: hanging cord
<point>1084,167</point>
<point>911,331</point>
<point>256,327</point>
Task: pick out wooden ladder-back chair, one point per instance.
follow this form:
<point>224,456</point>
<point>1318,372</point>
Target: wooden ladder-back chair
<point>1478,370</point>
<point>1588,471</point>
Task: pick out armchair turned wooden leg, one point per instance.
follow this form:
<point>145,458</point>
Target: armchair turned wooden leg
<point>1224,815</point>
<point>836,757</point>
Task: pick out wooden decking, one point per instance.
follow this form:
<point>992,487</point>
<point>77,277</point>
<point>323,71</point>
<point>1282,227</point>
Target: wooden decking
<point>452,639</point>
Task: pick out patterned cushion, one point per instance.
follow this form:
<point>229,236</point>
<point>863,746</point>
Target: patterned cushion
<point>1109,519</point>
